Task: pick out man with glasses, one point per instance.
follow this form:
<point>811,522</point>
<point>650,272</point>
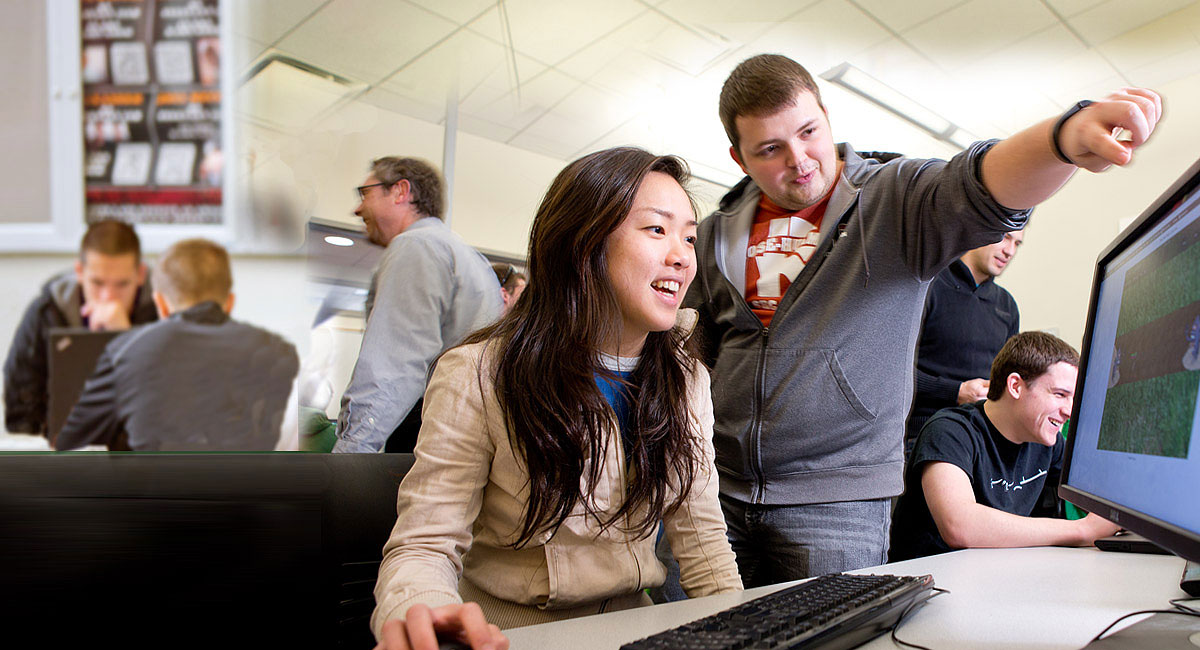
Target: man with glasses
<point>429,291</point>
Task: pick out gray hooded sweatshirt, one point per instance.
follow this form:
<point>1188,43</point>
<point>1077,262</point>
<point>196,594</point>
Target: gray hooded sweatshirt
<point>812,409</point>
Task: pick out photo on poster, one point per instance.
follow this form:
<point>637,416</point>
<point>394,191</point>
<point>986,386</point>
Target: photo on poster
<point>208,60</point>
<point>131,163</point>
<point>175,163</point>
<point>129,65</point>
<point>173,62</point>
<point>96,165</point>
<point>95,64</point>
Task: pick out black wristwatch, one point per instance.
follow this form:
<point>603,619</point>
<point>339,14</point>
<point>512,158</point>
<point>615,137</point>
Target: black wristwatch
<point>1058,152</point>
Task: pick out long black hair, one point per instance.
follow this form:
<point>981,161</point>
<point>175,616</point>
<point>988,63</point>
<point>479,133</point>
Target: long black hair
<point>548,357</point>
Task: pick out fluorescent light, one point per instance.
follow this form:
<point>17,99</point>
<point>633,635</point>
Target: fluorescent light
<point>289,94</point>
<point>338,241</point>
<point>891,100</point>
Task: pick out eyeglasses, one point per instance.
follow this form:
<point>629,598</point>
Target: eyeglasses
<point>362,189</point>
<point>508,274</point>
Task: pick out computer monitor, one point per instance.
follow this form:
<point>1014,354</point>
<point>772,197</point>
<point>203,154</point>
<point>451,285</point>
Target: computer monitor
<point>1133,453</point>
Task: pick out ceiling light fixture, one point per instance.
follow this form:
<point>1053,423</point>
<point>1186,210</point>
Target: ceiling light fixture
<point>338,241</point>
<point>871,89</point>
<point>282,92</point>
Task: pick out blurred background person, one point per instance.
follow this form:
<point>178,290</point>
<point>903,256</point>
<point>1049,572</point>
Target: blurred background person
<point>196,380</point>
<point>107,290</point>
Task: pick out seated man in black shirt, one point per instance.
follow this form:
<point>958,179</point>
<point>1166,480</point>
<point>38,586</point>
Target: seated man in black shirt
<point>976,475</point>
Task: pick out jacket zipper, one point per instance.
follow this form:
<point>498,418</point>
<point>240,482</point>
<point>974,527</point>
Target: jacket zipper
<point>756,430</point>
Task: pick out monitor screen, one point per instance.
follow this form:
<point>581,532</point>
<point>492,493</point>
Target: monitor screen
<point>1134,442</point>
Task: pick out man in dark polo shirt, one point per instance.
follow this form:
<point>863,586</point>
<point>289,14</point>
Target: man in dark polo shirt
<point>976,475</point>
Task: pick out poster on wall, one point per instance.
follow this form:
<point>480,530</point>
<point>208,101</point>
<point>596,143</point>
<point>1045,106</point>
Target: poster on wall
<point>152,110</point>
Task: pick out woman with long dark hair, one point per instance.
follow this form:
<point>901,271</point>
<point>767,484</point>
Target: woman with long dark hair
<point>555,442</point>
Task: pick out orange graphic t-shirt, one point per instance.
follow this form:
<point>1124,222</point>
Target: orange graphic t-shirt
<point>781,244</point>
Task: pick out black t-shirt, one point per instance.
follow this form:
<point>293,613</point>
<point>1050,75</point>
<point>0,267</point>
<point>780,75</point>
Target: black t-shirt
<point>1004,475</point>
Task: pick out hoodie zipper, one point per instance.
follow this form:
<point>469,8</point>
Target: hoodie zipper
<point>756,430</point>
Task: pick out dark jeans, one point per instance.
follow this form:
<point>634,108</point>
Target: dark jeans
<point>790,542</point>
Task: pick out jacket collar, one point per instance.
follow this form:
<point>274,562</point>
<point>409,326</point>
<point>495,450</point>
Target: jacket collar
<point>205,313</point>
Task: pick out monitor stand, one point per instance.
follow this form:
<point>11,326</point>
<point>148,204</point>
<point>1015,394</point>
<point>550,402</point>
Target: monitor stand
<point>1160,631</point>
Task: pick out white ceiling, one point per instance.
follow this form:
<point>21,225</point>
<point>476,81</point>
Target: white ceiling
<point>564,77</point>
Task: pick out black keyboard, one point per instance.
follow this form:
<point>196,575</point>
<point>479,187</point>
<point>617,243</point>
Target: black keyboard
<point>831,612</point>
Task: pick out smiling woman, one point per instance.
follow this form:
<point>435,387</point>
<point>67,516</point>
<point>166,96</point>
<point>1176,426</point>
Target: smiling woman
<point>572,429</point>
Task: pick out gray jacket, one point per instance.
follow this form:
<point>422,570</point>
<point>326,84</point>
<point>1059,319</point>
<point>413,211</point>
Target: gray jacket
<point>431,289</point>
<point>812,410</point>
<point>197,381</point>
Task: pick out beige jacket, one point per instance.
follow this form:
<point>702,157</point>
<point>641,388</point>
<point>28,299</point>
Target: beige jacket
<point>461,504</point>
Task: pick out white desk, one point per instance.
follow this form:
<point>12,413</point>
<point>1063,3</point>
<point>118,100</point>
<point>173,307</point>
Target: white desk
<point>1039,598</point>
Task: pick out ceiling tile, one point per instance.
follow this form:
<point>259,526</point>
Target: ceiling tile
<point>461,62</point>
<point>500,83</point>
<point>736,21</point>
<point>900,16</point>
<point>596,56</point>
<point>1093,89</point>
<point>1180,65</point>
<point>517,109</point>
<point>821,36</point>
<point>365,40</point>
<point>459,11</point>
<point>1068,8</point>
<point>267,20</point>
<point>582,117</point>
<point>976,29</point>
<point>405,105</point>
<point>551,31</point>
<point>485,129</point>
<point>1166,37</point>
<point>1074,74</point>
<point>1115,17</point>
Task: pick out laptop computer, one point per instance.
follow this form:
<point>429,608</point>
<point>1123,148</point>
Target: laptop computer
<point>72,358</point>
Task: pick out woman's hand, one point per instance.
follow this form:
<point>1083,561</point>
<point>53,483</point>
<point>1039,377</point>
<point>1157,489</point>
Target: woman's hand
<point>422,627</point>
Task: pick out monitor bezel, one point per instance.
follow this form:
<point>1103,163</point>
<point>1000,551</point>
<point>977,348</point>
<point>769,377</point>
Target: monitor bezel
<point>1182,542</point>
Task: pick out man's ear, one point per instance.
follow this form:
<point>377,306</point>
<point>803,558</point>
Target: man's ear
<point>228,306</point>
<point>1014,385</point>
<point>404,191</point>
<point>161,304</point>
<point>733,153</point>
<point>142,274</point>
<point>79,271</point>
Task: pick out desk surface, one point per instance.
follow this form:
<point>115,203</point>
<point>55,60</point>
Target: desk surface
<point>1044,598</point>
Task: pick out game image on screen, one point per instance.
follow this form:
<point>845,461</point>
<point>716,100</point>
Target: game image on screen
<point>1155,376</point>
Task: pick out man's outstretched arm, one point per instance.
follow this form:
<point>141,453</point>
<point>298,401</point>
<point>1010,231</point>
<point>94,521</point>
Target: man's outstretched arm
<point>1024,170</point>
<point>964,523</point>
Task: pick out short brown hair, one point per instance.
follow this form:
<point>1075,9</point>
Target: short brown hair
<point>762,85</point>
<point>193,271</point>
<point>111,237</point>
<point>423,178</point>
<point>1030,355</point>
<point>507,275</point>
